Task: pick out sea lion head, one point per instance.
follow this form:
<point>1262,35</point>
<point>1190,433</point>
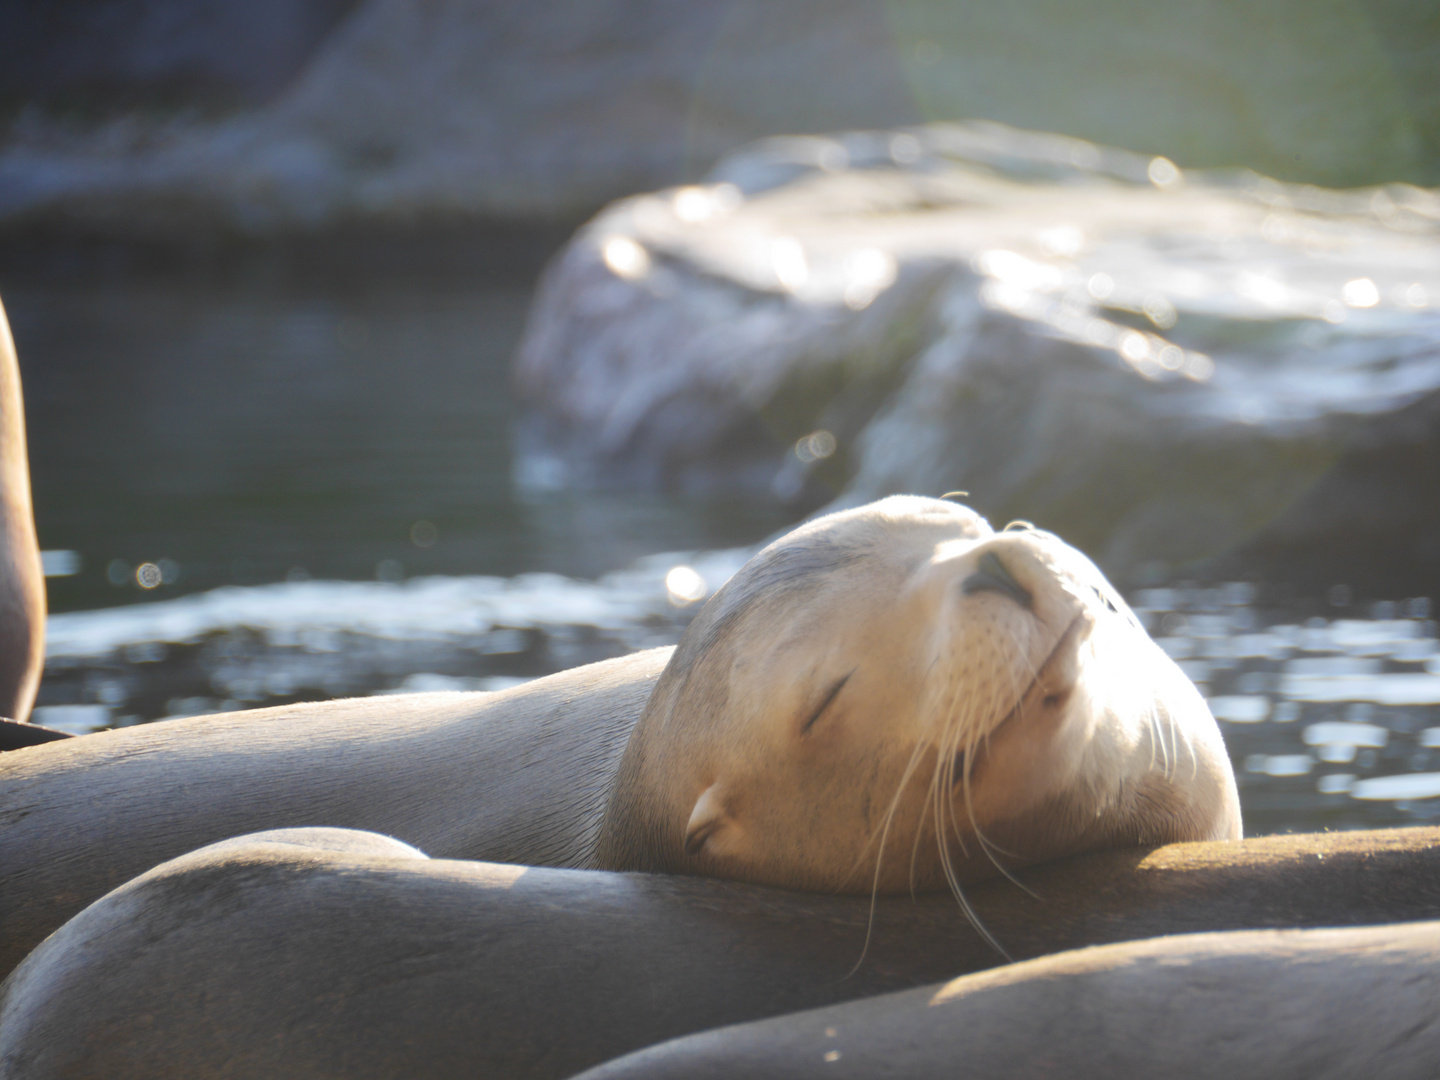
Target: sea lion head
<point>897,696</point>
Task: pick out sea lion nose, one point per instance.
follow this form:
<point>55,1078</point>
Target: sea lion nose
<point>991,576</point>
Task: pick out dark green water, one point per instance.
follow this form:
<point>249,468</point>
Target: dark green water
<point>254,424</point>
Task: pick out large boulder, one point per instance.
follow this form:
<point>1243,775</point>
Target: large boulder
<point>1180,372</point>
<point>411,109</point>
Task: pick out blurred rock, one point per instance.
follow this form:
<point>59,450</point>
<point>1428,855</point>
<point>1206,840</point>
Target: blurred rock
<point>1176,371</point>
<point>423,109</point>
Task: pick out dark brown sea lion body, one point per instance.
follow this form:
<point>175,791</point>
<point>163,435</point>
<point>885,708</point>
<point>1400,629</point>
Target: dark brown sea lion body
<point>344,955</point>
<point>519,776</point>
<point>1248,1005</point>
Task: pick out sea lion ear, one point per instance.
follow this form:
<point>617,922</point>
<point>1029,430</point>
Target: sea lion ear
<point>708,816</point>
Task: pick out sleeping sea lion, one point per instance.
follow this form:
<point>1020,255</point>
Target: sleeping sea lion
<point>897,697</point>
<point>889,698</point>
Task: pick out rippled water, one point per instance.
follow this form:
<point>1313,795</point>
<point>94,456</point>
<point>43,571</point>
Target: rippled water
<point>1332,721</point>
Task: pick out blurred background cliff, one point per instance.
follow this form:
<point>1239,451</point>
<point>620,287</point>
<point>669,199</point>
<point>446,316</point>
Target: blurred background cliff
<point>392,343</point>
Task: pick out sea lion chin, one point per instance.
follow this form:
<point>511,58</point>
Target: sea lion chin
<point>896,697</point>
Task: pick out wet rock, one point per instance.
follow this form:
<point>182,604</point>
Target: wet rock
<point>1176,371</point>
<point>417,109</point>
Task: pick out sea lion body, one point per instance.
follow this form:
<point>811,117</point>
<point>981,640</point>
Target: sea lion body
<point>324,953</point>
<point>889,698</point>
<point>22,580</point>
<point>1317,1004</point>
<point>517,776</point>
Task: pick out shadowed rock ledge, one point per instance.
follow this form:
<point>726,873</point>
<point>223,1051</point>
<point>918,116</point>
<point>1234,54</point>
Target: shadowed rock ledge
<point>1178,372</point>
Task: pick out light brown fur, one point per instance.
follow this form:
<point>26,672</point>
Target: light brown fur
<point>808,730</point>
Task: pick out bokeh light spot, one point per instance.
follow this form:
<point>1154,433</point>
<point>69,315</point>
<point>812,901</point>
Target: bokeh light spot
<point>684,585</point>
<point>1360,293</point>
<point>905,149</point>
<point>817,446</point>
<point>1162,172</point>
<point>1198,367</point>
<point>625,258</point>
<point>868,273</point>
<point>1063,240</point>
<point>1100,286</point>
<point>787,258</point>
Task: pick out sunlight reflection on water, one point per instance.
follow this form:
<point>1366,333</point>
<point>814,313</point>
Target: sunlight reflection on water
<point>1328,721</point>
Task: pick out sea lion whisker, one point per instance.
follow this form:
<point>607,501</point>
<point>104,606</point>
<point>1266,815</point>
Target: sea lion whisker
<point>1170,750</point>
<point>964,901</point>
<point>962,734</point>
<point>991,849</point>
<point>1157,742</point>
<point>880,859</point>
<point>928,807</point>
<point>950,735</point>
<point>953,732</point>
<point>883,832</point>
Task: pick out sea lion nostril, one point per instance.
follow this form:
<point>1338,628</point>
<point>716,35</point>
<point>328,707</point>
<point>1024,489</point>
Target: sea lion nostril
<point>991,576</point>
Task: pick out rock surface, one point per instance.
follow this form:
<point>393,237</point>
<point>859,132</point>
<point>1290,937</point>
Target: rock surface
<point>456,108</point>
<point>1176,371</point>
